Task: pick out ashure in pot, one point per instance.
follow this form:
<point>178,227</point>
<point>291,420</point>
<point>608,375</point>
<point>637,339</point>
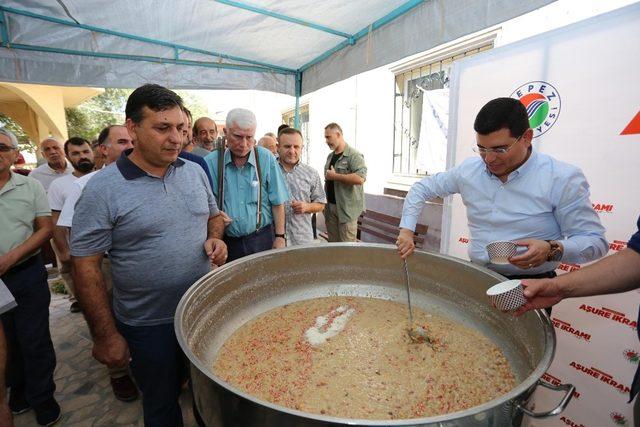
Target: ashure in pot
<point>223,300</point>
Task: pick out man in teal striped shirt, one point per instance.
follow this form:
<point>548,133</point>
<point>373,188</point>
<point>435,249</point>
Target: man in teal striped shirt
<point>253,190</point>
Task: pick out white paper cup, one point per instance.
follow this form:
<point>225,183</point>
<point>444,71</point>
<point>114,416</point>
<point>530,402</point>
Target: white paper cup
<point>500,252</point>
<point>507,296</point>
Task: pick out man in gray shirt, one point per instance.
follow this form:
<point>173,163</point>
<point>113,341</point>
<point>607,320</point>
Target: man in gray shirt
<point>156,216</point>
<point>305,188</point>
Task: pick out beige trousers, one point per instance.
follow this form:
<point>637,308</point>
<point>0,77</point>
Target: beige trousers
<point>337,231</point>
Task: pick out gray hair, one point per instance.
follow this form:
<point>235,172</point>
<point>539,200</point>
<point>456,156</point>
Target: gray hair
<point>11,136</point>
<point>243,118</point>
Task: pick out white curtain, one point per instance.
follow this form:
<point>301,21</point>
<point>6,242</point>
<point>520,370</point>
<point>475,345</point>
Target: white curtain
<point>432,143</point>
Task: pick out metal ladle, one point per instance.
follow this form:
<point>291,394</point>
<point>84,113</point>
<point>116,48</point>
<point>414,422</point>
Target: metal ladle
<point>416,332</point>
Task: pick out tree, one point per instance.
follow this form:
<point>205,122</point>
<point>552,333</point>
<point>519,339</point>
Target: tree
<point>89,118</point>
<point>24,143</point>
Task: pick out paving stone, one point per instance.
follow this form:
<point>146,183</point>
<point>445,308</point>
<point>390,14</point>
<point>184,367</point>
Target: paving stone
<point>82,384</point>
<point>75,403</point>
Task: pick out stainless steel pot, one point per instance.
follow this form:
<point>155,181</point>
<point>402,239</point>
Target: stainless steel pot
<point>221,301</point>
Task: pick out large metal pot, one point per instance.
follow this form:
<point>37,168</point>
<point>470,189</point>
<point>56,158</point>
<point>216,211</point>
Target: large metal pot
<point>221,301</point>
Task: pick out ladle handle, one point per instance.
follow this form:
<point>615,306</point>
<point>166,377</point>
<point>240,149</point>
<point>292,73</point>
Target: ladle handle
<point>569,388</point>
<point>406,282</point>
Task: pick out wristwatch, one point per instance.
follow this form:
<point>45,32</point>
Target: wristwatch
<point>284,236</point>
<point>555,251</point>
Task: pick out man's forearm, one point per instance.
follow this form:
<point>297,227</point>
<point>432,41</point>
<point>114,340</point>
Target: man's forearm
<point>315,207</point>
<point>92,294</point>
<point>215,227</point>
<point>616,273</point>
<point>278,218</point>
<point>350,179</point>
<point>35,241</point>
<point>61,240</point>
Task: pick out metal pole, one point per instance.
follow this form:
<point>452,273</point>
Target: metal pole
<point>296,117</point>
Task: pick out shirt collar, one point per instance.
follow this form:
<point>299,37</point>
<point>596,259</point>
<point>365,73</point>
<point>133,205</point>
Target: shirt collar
<point>523,169</point>
<point>251,160</point>
<point>55,171</point>
<point>130,170</point>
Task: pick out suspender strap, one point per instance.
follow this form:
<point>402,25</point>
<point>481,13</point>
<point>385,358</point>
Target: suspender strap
<point>259,217</point>
<point>220,149</point>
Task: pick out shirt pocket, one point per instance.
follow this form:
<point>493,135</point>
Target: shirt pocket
<point>342,166</point>
<point>197,203</point>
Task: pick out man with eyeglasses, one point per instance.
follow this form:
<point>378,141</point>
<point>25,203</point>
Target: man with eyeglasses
<point>25,224</point>
<point>205,132</point>
<point>513,193</point>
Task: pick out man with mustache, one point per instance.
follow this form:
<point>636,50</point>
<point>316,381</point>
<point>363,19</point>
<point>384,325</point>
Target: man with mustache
<point>55,166</point>
<point>205,132</point>
<point>80,154</point>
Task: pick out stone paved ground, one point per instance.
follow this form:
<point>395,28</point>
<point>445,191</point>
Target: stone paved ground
<point>82,384</point>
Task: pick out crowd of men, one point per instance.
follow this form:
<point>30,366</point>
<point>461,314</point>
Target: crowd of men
<point>173,199</point>
<point>177,198</point>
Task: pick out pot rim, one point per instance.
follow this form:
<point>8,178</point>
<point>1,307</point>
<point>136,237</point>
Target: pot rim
<point>512,395</point>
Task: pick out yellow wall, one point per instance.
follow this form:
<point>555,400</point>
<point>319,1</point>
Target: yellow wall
<point>39,109</point>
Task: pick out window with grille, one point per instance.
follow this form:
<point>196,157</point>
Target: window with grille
<point>421,113</point>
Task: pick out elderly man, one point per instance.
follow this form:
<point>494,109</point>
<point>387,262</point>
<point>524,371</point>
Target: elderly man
<point>56,164</point>
<point>269,143</point>
<point>344,173</point>
<point>155,215</point>
<point>7,302</point>
<point>305,188</point>
<point>205,132</point>
<point>254,190</point>
<point>25,221</point>
<point>79,153</point>
<point>514,193</point>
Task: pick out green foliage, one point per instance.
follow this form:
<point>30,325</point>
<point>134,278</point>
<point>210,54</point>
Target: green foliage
<point>23,139</point>
<point>57,287</point>
<point>194,103</point>
<point>90,117</point>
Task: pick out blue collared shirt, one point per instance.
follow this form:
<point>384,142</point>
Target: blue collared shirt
<point>543,199</point>
<point>241,190</point>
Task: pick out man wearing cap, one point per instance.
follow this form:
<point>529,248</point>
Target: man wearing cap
<point>26,224</point>
<point>514,193</point>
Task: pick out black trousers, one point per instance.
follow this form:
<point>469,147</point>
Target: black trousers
<point>32,359</point>
<point>261,240</point>
<point>547,275</point>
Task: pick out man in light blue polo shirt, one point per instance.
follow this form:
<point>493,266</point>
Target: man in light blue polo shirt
<point>514,193</point>
<point>254,190</point>
<point>155,215</point>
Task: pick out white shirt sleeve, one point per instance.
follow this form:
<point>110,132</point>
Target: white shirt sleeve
<point>55,195</point>
<point>68,208</point>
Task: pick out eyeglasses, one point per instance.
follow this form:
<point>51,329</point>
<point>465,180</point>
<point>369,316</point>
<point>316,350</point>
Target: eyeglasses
<point>6,148</point>
<point>501,150</point>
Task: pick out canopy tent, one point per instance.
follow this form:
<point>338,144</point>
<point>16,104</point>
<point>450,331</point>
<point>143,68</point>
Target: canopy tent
<point>286,46</point>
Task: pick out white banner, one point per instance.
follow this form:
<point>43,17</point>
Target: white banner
<point>581,88</point>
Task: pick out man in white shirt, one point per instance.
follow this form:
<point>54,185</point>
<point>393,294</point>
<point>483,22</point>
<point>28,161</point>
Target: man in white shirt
<point>112,141</point>
<point>55,166</point>
<point>79,153</point>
